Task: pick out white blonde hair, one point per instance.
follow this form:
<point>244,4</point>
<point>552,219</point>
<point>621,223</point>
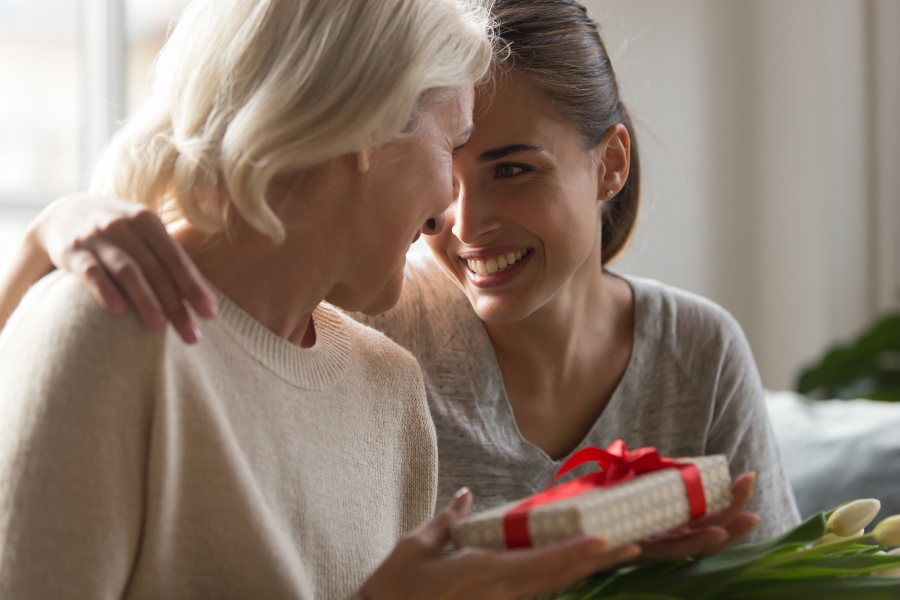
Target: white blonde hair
<point>245,90</point>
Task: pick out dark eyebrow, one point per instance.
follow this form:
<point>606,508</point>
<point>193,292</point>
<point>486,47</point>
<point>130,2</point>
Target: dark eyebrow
<point>490,155</point>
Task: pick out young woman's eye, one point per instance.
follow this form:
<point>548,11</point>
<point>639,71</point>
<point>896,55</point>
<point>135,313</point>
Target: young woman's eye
<point>507,171</point>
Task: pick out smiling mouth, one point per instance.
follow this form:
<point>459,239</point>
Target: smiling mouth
<point>496,264</point>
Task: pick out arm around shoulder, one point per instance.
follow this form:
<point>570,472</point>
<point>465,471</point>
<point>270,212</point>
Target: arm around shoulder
<point>29,264</point>
<point>74,390</point>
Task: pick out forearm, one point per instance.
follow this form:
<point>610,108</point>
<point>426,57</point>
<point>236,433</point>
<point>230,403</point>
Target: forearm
<point>29,264</point>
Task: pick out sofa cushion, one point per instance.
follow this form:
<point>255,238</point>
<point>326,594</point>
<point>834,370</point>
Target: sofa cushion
<point>838,450</point>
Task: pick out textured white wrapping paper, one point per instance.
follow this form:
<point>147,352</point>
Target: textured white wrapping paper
<point>648,505</point>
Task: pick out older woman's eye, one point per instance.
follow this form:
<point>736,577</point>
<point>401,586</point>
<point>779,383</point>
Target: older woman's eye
<point>507,171</point>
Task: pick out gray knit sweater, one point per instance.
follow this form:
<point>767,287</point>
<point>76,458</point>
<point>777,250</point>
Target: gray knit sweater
<point>691,388</point>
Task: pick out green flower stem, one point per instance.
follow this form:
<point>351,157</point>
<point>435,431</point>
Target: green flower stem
<point>784,559</point>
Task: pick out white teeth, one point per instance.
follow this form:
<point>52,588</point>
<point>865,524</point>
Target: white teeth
<point>495,265</point>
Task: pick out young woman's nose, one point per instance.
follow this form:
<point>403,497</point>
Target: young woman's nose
<point>471,217</point>
<point>434,225</point>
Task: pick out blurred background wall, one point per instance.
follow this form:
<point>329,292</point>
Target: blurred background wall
<point>771,134</point>
<point>769,129</point>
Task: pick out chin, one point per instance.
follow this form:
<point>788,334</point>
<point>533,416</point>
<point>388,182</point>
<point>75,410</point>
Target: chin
<point>388,298</point>
<point>496,311</point>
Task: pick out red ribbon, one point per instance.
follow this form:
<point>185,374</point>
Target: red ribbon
<point>617,465</point>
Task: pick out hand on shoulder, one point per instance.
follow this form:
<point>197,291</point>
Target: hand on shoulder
<point>123,254</point>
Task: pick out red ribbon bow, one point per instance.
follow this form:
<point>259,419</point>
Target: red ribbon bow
<point>617,465</point>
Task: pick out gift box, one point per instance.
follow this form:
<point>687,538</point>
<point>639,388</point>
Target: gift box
<point>635,495</point>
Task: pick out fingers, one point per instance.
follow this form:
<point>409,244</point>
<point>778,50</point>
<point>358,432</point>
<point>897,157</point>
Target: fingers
<point>163,287</point>
<point>125,254</point>
<point>710,534</point>
<point>738,528</point>
<point>742,492</point>
<point>177,264</point>
<point>693,543</point>
<point>431,538</point>
<point>97,281</point>
<point>544,570</point>
<point>128,275</point>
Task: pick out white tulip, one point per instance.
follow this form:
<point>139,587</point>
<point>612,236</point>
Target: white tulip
<point>887,533</point>
<point>895,572</point>
<point>853,516</point>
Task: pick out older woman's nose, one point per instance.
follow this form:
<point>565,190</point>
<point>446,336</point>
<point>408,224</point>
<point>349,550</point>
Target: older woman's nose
<point>434,225</point>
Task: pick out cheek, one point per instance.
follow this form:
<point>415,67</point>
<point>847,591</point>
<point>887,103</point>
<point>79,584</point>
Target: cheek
<point>567,224</point>
<point>440,244</point>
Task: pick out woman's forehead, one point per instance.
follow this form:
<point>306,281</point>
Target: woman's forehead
<point>510,109</point>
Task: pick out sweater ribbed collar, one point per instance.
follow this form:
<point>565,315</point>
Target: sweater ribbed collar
<point>315,368</point>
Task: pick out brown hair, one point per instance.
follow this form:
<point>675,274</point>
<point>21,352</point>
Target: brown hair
<point>556,46</point>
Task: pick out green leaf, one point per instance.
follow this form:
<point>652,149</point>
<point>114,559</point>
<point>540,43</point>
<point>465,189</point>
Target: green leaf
<point>605,585</point>
<point>847,561</point>
<point>854,588</point>
<point>823,566</point>
<point>867,368</point>
<point>645,597</point>
<point>701,578</point>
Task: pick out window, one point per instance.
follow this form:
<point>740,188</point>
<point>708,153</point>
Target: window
<point>71,71</point>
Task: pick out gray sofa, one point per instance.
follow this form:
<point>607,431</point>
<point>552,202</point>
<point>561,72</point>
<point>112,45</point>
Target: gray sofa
<point>838,450</point>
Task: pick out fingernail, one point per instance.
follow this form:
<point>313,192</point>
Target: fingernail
<point>598,545</point>
<point>463,491</point>
<point>196,331</point>
<point>755,518</point>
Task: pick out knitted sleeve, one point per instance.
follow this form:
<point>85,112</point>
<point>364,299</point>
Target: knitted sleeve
<point>74,417</point>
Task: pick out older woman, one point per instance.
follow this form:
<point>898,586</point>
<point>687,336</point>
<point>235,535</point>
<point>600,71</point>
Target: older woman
<point>296,148</point>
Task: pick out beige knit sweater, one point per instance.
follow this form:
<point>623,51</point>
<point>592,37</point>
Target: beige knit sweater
<point>133,466</point>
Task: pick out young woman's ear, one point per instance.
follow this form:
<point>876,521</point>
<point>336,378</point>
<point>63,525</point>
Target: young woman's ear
<point>612,158</point>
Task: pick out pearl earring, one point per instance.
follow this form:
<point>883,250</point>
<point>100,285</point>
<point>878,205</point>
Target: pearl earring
<point>610,193</point>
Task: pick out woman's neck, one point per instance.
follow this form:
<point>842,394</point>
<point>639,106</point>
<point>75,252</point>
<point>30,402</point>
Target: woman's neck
<point>562,363</point>
<point>280,291</point>
<point>557,335</point>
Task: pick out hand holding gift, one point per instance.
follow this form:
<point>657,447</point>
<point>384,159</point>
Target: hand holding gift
<point>636,495</point>
<point>710,534</point>
<point>421,568</point>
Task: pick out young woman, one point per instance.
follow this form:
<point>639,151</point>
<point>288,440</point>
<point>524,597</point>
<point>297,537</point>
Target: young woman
<point>297,149</point>
<point>530,349</point>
